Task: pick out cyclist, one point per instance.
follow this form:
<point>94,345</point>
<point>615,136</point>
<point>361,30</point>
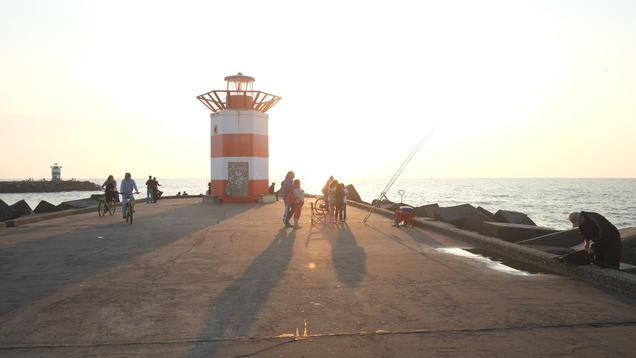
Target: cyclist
<point>110,188</point>
<point>126,191</point>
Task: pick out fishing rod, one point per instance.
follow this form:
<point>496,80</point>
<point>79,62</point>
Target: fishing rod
<point>399,171</point>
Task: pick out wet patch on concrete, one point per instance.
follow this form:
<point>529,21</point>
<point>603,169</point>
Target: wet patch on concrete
<point>493,261</point>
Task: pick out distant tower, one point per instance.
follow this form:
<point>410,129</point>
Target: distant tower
<point>56,172</point>
<point>239,139</point>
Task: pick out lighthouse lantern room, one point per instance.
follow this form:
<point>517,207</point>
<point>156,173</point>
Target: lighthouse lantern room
<point>239,139</point>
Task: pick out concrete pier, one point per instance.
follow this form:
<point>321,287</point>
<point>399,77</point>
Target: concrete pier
<point>189,279</point>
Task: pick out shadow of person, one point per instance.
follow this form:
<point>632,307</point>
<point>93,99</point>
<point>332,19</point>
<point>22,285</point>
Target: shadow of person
<point>349,259</point>
<point>234,311</point>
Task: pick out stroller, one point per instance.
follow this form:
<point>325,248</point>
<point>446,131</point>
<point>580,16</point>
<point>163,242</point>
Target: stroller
<point>403,215</point>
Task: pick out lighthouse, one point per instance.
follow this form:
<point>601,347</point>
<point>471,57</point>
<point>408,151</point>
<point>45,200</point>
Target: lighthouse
<point>239,147</point>
<point>56,172</point>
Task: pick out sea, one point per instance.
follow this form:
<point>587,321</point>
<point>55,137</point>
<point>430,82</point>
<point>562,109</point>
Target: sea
<point>546,201</point>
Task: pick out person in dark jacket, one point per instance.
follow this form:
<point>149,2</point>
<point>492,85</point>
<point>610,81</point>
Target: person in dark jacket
<point>285,187</point>
<point>601,238</point>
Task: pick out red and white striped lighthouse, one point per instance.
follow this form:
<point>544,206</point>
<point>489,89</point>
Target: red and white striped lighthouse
<point>239,139</point>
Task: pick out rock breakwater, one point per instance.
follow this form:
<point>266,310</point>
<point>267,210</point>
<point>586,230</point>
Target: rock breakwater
<point>44,186</point>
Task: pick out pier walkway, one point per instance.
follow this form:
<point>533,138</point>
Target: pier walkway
<point>194,280</point>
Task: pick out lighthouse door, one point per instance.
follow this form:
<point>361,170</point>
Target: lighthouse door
<point>238,174</point>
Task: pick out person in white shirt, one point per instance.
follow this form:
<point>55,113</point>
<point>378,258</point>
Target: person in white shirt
<point>126,191</point>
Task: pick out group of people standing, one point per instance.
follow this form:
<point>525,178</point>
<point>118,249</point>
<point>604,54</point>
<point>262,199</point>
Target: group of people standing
<point>335,194</point>
<point>294,198</point>
<point>152,190</point>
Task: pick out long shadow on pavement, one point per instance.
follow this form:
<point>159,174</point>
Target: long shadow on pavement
<point>349,259</point>
<point>34,269</point>
<point>234,311</point>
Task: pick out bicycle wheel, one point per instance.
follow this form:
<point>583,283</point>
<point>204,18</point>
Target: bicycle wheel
<point>129,213</point>
<point>320,205</point>
<point>110,206</point>
<point>100,208</point>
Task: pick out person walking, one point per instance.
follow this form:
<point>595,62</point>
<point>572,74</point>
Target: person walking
<point>126,191</point>
<point>149,190</point>
<point>286,186</point>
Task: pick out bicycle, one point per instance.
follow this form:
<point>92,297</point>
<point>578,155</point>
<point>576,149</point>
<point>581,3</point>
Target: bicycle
<point>104,205</point>
<point>130,207</point>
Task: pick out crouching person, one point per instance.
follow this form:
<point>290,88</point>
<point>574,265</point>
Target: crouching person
<point>602,241</point>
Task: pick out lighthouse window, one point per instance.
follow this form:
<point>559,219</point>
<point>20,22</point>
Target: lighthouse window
<point>216,129</point>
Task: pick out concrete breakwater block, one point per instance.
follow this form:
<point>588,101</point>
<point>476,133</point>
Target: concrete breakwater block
<point>628,245</point>
<point>474,221</point>
<point>22,208</point>
<point>65,206</point>
<point>566,238</point>
<point>428,210</point>
<point>6,212</point>
<point>352,193</point>
<point>514,232</point>
<point>487,213</point>
<point>464,216</point>
<point>81,203</point>
<point>45,207</point>
<point>453,214</point>
<point>513,217</point>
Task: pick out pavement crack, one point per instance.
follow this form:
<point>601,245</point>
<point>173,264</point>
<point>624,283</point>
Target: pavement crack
<point>594,325</point>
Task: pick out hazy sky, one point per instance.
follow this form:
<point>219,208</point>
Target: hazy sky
<point>519,88</point>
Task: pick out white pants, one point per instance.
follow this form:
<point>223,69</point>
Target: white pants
<point>124,201</point>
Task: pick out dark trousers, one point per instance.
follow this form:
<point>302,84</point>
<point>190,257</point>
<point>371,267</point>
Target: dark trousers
<point>338,215</point>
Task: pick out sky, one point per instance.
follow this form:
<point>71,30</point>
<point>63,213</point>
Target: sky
<point>505,88</point>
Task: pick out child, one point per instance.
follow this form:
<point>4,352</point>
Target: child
<point>299,200</point>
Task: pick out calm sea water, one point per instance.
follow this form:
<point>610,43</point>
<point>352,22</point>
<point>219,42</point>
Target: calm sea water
<point>547,201</point>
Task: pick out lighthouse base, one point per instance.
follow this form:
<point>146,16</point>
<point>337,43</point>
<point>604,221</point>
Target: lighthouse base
<point>255,188</point>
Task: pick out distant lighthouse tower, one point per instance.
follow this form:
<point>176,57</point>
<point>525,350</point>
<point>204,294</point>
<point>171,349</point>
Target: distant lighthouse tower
<point>56,172</point>
<point>239,139</point>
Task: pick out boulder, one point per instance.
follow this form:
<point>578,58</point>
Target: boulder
<point>22,208</point>
<point>513,217</point>
<point>352,193</point>
<point>6,212</point>
<point>45,207</point>
<point>487,213</point>
<point>628,245</point>
<point>514,232</point>
<point>566,238</point>
<point>426,210</point>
